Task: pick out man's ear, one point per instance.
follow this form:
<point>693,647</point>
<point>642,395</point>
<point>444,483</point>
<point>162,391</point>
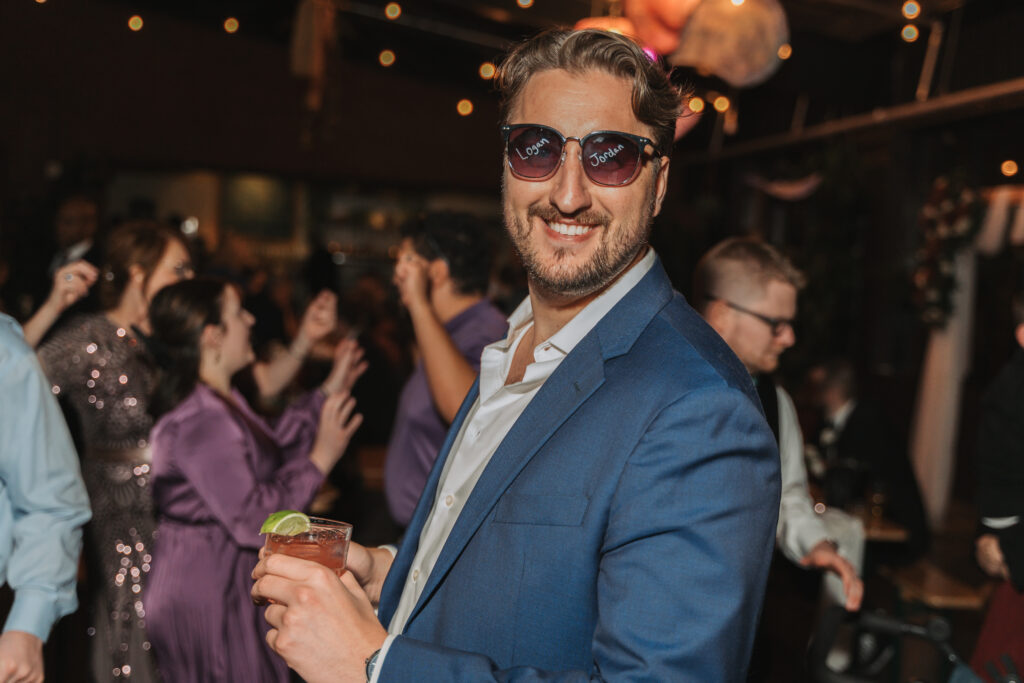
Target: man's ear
<point>660,185</point>
<point>718,315</point>
<point>1019,334</point>
<point>438,272</point>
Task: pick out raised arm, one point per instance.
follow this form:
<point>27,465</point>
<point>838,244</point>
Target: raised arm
<point>70,283</point>
<point>449,374</point>
<point>319,320</point>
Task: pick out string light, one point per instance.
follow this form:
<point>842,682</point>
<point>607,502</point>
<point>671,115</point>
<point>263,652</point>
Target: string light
<point>1009,168</point>
<point>909,33</point>
<point>721,103</point>
<point>487,70</point>
<point>386,58</point>
<point>911,9</point>
<point>392,10</point>
<point>464,107</point>
<point>696,105</point>
<point>135,23</point>
<point>231,25</point>
<point>40,1</point>
<point>525,4</point>
<point>785,51</point>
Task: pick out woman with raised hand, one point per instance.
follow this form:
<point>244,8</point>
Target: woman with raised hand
<point>98,365</point>
<point>218,471</point>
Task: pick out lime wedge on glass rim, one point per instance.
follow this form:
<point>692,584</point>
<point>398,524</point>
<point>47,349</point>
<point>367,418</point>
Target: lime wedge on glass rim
<point>285,523</point>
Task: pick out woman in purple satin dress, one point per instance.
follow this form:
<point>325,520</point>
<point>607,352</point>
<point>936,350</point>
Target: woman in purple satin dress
<point>218,471</point>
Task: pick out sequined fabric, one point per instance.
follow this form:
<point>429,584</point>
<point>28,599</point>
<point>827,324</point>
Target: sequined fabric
<point>99,370</point>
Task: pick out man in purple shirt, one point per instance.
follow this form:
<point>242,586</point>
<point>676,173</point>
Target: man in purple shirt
<point>442,272</point>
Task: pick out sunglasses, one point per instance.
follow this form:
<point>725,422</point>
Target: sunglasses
<point>609,158</point>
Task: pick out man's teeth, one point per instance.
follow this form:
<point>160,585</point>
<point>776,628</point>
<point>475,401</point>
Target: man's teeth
<point>570,229</point>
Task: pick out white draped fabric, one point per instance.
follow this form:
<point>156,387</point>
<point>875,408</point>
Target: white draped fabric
<point>937,413</point>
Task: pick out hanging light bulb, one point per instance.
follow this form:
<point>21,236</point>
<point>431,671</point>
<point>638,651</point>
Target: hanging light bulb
<point>911,9</point>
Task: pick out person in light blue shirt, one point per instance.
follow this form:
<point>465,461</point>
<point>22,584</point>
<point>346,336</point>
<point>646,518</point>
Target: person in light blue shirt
<point>43,505</point>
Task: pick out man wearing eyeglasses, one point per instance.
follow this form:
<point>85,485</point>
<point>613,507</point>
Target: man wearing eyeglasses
<point>604,505</point>
<point>747,291</point>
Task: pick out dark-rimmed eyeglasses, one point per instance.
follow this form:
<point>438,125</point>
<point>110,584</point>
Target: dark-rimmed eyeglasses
<point>609,157</point>
<point>777,325</point>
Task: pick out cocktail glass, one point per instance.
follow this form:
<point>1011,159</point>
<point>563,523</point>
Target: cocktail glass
<point>326,542</point>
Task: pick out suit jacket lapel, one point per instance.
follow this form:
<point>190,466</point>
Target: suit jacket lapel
<point>575,379</point>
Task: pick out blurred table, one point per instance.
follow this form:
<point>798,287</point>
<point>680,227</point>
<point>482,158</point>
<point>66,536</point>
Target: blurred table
<point>882,530</point>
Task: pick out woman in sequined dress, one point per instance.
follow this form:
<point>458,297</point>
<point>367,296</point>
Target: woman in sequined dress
<point>99,368</point>
<point>218,470</point>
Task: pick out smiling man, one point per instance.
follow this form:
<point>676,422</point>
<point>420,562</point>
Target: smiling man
<point>604,504</point>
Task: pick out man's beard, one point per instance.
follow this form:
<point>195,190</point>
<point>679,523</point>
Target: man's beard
<point>613,255</point>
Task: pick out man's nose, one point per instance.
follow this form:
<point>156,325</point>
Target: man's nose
<point>787,336</point>
<point>570,192</point>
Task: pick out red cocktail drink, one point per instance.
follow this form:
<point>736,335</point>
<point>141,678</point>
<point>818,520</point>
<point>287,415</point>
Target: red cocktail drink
<point>326,542</point>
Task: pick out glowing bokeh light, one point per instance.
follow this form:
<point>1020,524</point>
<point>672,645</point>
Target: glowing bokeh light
<point>696,105</point>
<point>909,33</point>
<point>737,2</point>
<point>785,51</point>
<point>487,70</point>
<point>386,58</point>
<point>40,1</point>
<point>911,9</point>
<point>721,103</point>
<point>231,25</point>
<point>392,10</point>
<point>464,107</point>
<point>135,23</point>
<point>525,3</point>
<point>1009,168</point>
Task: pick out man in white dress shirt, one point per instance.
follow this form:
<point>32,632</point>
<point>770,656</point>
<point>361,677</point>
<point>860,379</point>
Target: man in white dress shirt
<point>747,291</point>
<point>605,502</point>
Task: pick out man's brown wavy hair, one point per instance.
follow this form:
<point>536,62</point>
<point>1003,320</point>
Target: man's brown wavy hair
<point>656,101</point>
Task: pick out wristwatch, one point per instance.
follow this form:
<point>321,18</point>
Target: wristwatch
<point>371,663</point>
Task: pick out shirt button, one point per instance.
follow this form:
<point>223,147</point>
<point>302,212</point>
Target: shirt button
<point>448,500</point>
<point>415,574</point>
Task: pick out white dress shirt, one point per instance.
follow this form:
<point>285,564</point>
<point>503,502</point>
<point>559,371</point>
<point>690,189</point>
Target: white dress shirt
<point>489,420</point>
<point>800,526</point>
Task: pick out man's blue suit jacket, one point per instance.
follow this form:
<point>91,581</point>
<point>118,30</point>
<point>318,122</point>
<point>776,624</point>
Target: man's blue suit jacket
<point>623,528</point>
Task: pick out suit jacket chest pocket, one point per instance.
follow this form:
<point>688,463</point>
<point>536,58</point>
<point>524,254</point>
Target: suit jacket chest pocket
<point>541,510</point>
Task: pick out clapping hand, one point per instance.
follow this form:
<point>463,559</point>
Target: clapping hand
<point>348,367</point>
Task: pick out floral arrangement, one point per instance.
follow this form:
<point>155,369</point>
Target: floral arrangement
<point>949,220</point>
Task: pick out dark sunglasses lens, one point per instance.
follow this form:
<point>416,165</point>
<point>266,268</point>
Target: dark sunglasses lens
<point>534,152</point>
<point>610,159</point>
